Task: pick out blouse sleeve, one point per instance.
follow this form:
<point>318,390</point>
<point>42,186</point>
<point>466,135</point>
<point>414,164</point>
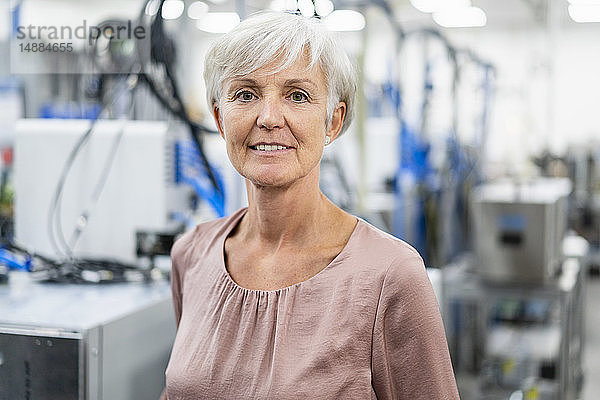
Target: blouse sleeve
<point>179,263</point>
<point>176,286</point>
<point>178,252</point>
<point>410,358</point>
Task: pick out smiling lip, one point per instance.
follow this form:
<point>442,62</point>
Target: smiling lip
<point>270,147</point>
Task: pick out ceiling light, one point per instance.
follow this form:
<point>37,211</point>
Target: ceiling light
<point>585,12</point>
<point>197,10</point>
<point>430,6</point>
<point>461,18</point>
<point>218,22</point>
<point>345,20</point>
<point>306,7</point>
<point>152,7</point>
<point>323,7</point>
<point>172,9</point>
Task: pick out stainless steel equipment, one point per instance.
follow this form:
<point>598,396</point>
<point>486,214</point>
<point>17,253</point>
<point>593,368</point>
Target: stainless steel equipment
<point>518,229</point>
<point>76,342</point>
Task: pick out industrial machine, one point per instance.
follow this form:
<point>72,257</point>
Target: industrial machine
<point>509,341</point>
<point>83,342</point>
<point>519,228</point>
<point>120,185</point>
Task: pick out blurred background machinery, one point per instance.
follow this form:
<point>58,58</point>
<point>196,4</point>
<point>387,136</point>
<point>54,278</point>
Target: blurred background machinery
<point>515,309</point>
<point>519,228</point>
<point>519,339</point>
<point>121,185</point>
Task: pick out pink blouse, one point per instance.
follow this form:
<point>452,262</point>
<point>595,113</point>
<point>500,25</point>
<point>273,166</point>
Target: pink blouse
<point>366,327</point>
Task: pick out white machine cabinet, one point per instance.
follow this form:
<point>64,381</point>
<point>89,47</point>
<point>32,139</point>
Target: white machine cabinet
<point>84,342</point>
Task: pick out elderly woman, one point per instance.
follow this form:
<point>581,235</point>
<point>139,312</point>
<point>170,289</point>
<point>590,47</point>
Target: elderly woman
<point>293,298</point>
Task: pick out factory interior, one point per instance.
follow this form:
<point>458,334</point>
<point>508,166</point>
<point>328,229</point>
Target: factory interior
<point>476,140</point>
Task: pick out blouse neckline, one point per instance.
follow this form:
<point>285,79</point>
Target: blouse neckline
<point>234,222</point>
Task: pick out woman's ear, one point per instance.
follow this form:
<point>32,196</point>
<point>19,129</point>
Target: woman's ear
<point>217,116</point>
<point>337,120</point>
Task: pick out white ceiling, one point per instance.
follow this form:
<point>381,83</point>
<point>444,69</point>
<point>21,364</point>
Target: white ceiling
<point>501,14</point>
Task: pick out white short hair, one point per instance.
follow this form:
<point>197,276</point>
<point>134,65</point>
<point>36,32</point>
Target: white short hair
<point>268,36</point>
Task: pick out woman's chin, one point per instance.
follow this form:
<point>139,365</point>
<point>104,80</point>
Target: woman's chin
<point>266,175</point>
<point>276,176</point>
<point>270,181</point>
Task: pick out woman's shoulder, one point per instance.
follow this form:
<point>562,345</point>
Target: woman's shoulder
<point>203,235</point>
<point>374,242</point>
<point>397,268</point>
<point>385,254</point>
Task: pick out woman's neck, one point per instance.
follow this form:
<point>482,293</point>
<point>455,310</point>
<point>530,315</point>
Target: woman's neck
<point>286,217</point>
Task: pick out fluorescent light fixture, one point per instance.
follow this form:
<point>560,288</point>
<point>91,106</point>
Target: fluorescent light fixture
<point>344,20</point>
<point>197,10</point>
<point>218,22</point>
<point>430,6</point>
<point>461,18</point>
<point>172,9</point>
<point>306,7</point>
<point>218,1</point>
<point>584,12</point>
<point>323,7</point>
<point>152,7</point>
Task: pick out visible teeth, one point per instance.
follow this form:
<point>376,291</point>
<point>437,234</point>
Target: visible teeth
<point>268,147</point>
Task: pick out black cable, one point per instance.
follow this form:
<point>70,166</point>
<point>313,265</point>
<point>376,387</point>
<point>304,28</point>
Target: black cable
<point>71,269</point>
<point>165,56</point>
<point>84,217</point>
<point>55,211</point>
<point>162,52</point>
<point>196,131</point>
<point>17,248</point>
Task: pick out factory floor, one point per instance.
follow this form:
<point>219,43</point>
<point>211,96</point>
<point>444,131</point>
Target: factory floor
<point>591,362</point>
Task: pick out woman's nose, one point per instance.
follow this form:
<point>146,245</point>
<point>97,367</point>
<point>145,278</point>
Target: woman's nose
<point>270,114</point>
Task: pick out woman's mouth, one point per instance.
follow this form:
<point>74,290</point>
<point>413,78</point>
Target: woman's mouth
<point>269,147</point>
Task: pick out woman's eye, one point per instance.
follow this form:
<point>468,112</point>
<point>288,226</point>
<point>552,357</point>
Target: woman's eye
<point>298,97</point>
<point>245,96</point>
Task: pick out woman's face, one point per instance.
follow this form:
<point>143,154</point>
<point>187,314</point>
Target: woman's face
<point>274,125</point>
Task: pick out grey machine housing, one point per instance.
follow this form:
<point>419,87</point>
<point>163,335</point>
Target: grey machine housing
<point>519,228</point>
<point>84,342</point>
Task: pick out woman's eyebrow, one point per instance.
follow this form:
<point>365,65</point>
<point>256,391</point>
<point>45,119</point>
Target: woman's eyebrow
<point>292,82</point>
<point>244,81</point>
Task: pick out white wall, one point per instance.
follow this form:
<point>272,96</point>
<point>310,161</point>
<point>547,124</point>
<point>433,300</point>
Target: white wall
<point>547,91</point>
